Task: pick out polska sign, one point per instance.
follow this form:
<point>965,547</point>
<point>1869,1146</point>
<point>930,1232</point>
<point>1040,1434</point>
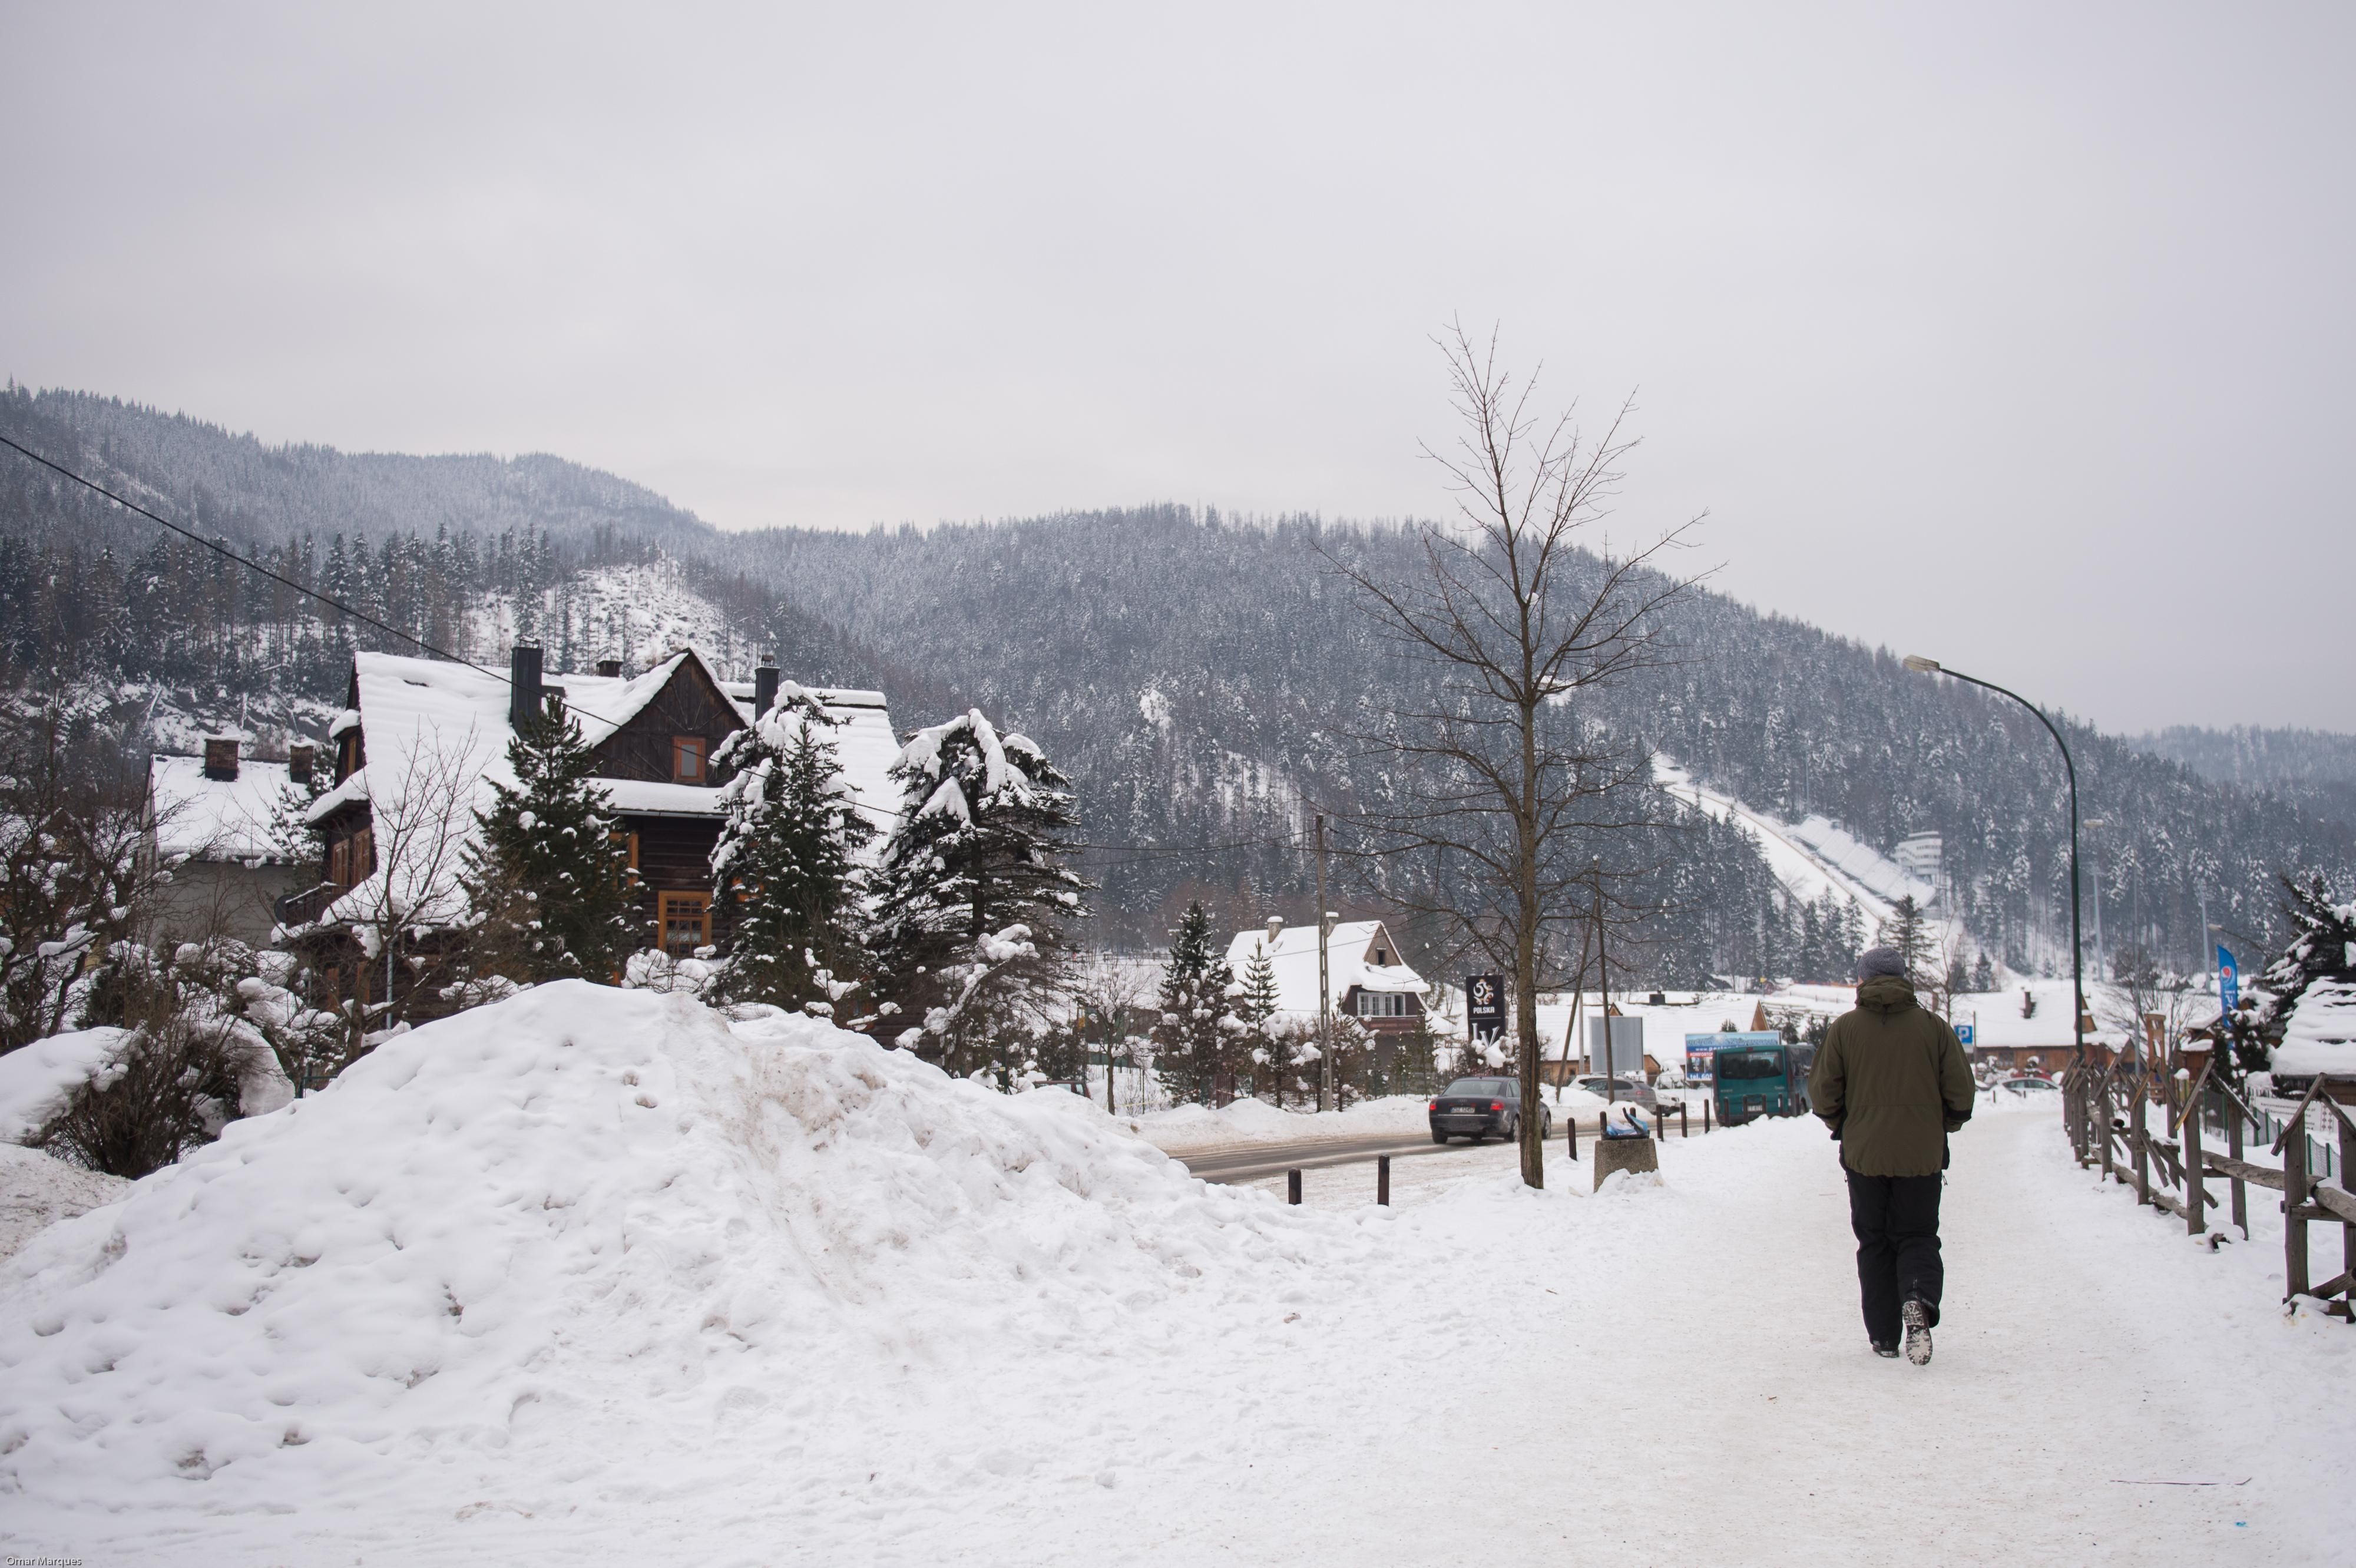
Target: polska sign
<point>1485,1005</point>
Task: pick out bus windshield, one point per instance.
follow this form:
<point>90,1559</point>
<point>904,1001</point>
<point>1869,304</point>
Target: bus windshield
<point>1749,1064</point>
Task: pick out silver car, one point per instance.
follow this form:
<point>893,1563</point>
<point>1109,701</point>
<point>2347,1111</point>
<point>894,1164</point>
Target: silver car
<point>1629,1088</point>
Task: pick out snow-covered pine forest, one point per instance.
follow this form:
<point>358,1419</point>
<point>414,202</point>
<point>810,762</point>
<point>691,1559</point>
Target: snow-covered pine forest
<point>1198,677</point>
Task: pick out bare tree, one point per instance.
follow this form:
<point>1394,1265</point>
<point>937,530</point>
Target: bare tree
<point>1107,996</point>
<point>1501,773</point>
<point>409,913</point>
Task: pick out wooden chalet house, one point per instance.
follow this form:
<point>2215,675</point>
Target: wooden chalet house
<point>419,738</point>
<point>1368,979</point>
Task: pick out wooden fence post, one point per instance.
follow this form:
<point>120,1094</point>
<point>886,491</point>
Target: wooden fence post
<point>2295,1280</point>
<point>1292,1186</point>
<point>1383,1180</point>
<point>2347,1230</point>
<point>2195,1195</point>
<point>2138,1136</point>
<point>2241,1191</point>
<point>2103,1121</point>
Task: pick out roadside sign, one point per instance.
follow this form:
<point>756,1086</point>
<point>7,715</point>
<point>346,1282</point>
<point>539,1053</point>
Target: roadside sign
<point>1967,1034</point>
<point>1484,1007</point>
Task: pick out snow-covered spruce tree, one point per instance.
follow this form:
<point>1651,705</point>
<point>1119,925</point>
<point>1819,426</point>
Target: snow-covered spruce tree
<point>548,878</point>
<point>972,895</point>
<point>1198,1029</point>
<point>2322,947</point>
<point>1906,931</point>
<point>787,869</point>
<point>1256,1005</point>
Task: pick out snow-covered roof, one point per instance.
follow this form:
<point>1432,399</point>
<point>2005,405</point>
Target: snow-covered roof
<point>429,718</point>
<point>1349,962</point>
<point>2319,1036</point>
<point>216,819</point>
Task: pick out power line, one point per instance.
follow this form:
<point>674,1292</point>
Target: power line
<point>222,550</point>
<point>1133,852</point>
<point>1137,851</point>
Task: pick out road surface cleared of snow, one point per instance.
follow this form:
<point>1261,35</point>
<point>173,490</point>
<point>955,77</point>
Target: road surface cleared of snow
<point>835,1308</point>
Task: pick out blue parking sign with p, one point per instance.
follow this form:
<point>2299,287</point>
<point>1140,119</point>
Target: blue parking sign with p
<point>1965,1034</point>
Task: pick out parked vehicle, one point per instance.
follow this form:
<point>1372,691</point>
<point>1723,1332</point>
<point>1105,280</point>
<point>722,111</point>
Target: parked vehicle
<point>1481,1108</point>
<point>2027,1087</point>
<point>1631,1090</point>
<point>1763,1080</point>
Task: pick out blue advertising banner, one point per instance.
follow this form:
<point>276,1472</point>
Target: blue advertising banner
<point>2228,979</point>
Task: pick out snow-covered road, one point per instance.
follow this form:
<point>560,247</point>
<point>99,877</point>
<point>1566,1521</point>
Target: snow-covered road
<point>1652,1375</point>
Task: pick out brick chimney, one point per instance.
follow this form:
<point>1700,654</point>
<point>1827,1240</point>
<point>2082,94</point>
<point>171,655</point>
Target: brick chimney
<point>298,762</point>
<point>765,686</point>
<point>609,667</point>
<point>523,685</point>
<point>220,756</point>
<point>1275,924</point>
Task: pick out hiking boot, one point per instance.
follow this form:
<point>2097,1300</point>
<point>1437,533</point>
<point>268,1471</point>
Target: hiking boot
<point>1884,1348</point>
<point>1916,1316</point>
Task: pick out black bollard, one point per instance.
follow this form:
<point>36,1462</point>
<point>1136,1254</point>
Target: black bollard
<point>1383,1180</point>
<point>1292,1186</point>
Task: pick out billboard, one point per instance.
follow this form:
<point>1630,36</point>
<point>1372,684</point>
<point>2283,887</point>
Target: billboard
<point>1626,1052</point>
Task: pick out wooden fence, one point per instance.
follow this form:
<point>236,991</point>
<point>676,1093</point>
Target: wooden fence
<point>2108,1110</point>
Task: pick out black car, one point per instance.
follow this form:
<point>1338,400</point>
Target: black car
<point>1479,1107</point>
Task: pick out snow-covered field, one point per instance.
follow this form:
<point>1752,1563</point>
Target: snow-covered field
<point>595,1277</point>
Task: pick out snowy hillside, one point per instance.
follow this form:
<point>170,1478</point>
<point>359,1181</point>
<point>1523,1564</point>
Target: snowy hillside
<point>633,613</point>
<point>1815,857</point>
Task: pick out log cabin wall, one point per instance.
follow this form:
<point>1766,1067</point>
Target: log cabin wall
<point>688,704</point>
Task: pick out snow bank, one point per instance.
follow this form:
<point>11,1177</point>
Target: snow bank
<point>37,1190</point>
<point>37,1081</point>
<point>564,1223</point>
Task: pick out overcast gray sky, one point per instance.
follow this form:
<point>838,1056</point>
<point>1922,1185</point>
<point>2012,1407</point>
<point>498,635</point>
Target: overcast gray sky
<point>2020,336</point>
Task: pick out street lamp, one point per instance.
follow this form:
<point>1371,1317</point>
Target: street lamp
<point>1923,666</point>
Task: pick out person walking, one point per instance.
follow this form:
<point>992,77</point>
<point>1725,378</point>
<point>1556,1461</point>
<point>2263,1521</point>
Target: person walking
<point>1891,1083</point>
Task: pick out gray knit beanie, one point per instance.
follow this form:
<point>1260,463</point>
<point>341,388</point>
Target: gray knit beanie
<point>1874,963</point>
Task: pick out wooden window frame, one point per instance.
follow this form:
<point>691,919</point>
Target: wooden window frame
<point>679,745</point>
<point>663,903</point>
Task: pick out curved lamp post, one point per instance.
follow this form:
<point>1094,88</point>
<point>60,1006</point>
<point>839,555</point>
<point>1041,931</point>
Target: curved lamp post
<point>1921,665</point>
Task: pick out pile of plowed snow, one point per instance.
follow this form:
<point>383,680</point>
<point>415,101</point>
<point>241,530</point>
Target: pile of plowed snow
<point>582,1225</point>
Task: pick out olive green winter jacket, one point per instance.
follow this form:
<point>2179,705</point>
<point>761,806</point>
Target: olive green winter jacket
<point>1892,1082</point>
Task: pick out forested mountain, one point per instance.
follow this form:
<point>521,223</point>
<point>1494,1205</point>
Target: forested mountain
<point>2311,767</point>
<point>1198,677</point>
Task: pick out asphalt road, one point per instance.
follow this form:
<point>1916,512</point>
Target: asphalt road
<point>1252,1162</point>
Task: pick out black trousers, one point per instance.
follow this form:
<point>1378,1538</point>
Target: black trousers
<point>1897,1223</point>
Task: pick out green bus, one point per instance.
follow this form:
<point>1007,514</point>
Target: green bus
<point>1754,1081</point>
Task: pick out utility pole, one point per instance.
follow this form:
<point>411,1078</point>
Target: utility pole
<point>1324,983</point>
<point>1603,979</point>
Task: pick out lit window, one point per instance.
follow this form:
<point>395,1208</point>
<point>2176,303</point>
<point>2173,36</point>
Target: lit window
<point>687,758</point>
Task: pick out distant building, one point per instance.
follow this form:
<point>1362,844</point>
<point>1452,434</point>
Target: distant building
<point>1368,980</point>
<point>214,825</point>
<point>653,737</point>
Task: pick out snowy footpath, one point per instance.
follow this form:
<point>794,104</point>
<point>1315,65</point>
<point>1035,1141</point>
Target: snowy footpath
<point>591,1277</point>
